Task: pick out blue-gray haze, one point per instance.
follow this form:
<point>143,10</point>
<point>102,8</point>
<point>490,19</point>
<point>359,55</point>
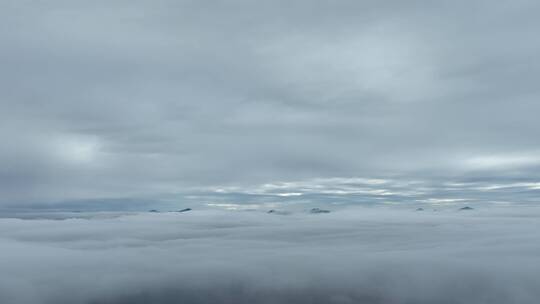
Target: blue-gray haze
<point>367,109</point>
<point>112,100</point>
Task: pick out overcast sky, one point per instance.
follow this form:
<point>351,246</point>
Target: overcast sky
<point>143,99</point>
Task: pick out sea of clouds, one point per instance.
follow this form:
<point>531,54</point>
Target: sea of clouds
<point>351,255</point>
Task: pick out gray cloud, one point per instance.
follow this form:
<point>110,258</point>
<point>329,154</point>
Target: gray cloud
<point>113,107</point>
<point>114,99</point>
<point>355,255</point>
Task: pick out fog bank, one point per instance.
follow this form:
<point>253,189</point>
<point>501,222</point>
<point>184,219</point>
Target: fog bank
<point>354,255</point>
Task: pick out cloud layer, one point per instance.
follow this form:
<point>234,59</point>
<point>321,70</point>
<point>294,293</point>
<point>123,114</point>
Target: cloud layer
<point>131,99</point>
<point>355,255</point>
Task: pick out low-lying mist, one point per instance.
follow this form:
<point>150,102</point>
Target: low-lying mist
<point>353,255</point>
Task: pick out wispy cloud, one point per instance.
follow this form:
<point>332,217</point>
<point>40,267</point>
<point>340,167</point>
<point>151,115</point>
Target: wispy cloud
<point>107,100</point>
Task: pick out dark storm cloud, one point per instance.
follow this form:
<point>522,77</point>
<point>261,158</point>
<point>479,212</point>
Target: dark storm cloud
<point>355,255</point>
<point>107,100</point>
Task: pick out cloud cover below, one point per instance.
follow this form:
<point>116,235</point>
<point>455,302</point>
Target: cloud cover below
<point>353,255</point>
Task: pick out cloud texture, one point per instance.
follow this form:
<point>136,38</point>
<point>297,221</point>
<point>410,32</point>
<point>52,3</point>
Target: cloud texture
<point>139,99</point>
<point>355,255</point>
